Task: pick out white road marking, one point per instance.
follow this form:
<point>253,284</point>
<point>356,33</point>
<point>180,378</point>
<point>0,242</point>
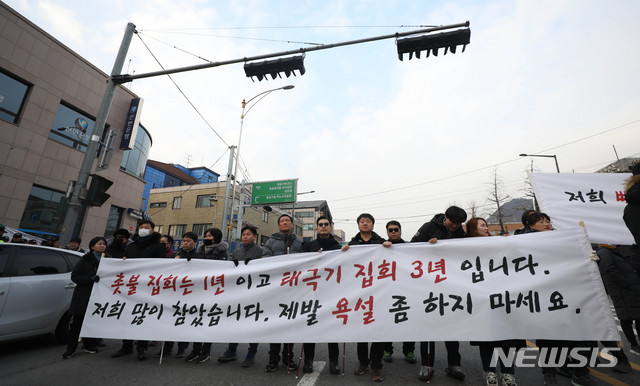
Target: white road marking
<point>311,378</point>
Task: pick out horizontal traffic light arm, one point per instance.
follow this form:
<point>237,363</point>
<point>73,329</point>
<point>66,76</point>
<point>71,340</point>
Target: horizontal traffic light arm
<point>120,79</point>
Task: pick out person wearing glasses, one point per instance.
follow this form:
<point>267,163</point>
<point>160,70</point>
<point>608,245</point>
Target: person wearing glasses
<point>166,242</point>
<point>447,225</point>
<point>324,242</point>
<point>394,235</point>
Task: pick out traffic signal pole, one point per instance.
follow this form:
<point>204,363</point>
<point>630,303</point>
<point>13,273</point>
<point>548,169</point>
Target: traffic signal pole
<point>75,213</point>
<point>128,78</point>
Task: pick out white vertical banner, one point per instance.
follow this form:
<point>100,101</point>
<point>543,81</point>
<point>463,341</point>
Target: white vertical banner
<point>533,286</point>
<point>595,198</point>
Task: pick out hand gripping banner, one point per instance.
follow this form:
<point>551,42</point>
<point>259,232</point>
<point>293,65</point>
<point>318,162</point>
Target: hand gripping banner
<point>532,286</point>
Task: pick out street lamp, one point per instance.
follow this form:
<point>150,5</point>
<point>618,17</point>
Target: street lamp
<point>543,155</point>
<point>245,111</point>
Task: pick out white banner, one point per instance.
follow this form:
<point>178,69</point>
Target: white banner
<point>595,198</point>
<point>533,286</point>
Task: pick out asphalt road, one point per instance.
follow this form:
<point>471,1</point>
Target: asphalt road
<point>38,362</point>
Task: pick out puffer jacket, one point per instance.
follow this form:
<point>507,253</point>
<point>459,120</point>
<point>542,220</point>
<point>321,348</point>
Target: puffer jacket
<point>219,251</point>
<point>282,244</point>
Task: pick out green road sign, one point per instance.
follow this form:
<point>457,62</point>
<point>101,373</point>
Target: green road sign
<point>273,192</point>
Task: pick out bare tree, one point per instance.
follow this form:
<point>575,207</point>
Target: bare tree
<point>497,197</point>
<point>528,190</point>
<point>473,207</point>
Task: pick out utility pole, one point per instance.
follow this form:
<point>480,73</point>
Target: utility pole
<point>227,189</point>
<point>75,213</point>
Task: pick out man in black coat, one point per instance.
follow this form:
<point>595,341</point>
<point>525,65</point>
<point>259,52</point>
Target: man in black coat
<point>374,354</point>
<point>447,225</point>
<point>394,235</point>
<point>324,242</point>
<point>145,244</point>
<point>632,213</point>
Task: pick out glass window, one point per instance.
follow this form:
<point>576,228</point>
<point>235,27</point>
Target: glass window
<point>159,229</point>
<point>307,227</point>
<point>113,221</point>
<point>177,202</point>
<point>33,261</point>
<point>176,231</point>
<point>298,230</point>
<point>44,211</point>
<point>134,161</point>
<point>13,93</point>
<point>206,200</point>
<point>71,128</point>
<point>73,259</point>
<point>199,229</point>
<point>158,205</point>
<point>4,257</point>
<point>304,214</point>
<point>263,239</point>
<point>265,216</point>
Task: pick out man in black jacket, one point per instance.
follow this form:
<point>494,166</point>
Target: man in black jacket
<point>441,227</point>
<point>394,235</point>
<point>145,244</point>
<point>374,355</point>
<point>324,242</point>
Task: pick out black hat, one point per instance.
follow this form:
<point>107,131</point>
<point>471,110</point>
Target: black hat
<point>635,169</point>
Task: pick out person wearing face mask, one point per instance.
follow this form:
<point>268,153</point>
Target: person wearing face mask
<point>84,275</point>
<point>145,244</point>
<point>117,245</point>
<point>213,247</point>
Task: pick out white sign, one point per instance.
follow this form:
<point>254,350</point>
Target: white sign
<point>595,198</point>
<point>533,286</point>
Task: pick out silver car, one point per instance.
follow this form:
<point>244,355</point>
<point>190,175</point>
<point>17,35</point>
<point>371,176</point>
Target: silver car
<point>35,290</point>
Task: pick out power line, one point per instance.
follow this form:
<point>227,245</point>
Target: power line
<point>482,168</point>
<point>183,94</point>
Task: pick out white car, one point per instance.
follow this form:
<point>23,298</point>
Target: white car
<point>35,290</point>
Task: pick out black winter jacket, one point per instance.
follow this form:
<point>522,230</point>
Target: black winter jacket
<point>218,251</point>
<point>622,283</point>
<point>326,244</point>
<point>82,273</point>
<point>375,239</point>
<point>632,210</point>
<point>145,247</point>
<point>436,229</point>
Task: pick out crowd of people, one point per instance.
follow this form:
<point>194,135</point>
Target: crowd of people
<point>620,276</point>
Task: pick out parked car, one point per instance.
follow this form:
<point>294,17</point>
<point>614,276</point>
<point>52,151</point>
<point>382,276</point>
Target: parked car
<point>35,290</point>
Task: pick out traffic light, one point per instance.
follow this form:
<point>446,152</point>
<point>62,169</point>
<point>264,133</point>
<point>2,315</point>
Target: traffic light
<point>96,195</point>
<point>274,67</point>
<point>432,42</point>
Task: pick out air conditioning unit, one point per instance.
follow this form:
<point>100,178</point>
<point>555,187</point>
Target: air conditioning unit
<point>213,197</point>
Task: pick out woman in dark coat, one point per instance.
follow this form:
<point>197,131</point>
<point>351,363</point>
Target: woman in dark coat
<point>84,275</point>
<point>477,227</point>
<point>623,286</point>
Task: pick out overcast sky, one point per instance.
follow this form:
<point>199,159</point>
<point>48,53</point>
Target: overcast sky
<point>367,132</point>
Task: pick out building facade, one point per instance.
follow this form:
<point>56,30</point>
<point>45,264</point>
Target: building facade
<point>49,99</point>
<point>163,175</point>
